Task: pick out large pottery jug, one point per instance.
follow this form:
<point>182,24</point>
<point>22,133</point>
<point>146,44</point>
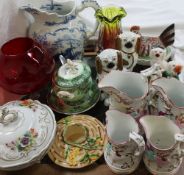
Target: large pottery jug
<point>57,26</point>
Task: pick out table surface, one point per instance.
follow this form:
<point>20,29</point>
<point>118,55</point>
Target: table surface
<point>47,167</point>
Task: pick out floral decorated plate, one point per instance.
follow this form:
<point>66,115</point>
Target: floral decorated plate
<point>79,141</point>
<point>27,129</point>
<point>145,61</point>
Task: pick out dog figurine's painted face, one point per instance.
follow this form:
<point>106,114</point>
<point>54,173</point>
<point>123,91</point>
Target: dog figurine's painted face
<point>109,59</point>
<point>158,54</point>
<point>128,42</point>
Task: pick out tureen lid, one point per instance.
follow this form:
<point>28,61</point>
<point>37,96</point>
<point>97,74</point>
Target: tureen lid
<point>72,74</point>
<point>27,129</point>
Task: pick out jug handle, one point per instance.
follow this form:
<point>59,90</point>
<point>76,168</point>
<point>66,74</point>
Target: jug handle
<point>179,153</point>
<point>139,140</point>
<point>95,6</point>
<point>180,139</point>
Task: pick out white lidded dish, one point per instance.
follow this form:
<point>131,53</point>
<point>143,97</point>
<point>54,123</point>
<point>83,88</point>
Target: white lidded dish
<point>27,130</point>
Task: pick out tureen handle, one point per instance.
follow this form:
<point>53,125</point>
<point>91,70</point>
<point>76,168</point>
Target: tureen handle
<point>95,6</point>
<point>8,116</point>
<point>139,140</point>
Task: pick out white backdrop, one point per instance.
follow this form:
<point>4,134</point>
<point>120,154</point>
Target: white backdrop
<point>152,15</point>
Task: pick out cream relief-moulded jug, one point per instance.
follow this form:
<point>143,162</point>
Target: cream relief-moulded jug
<point>57,25</point>
<point>128,92</point>
<point>125,146</point>
<point>169,99</point>
<point>164,153</point>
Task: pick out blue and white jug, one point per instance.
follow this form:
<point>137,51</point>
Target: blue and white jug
<point>57,26</point>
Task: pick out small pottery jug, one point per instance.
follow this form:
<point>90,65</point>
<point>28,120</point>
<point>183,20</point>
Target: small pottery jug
<point>168,99</point>
<point>58,27</point>
<point>125,146</point>
<point>163,153</point>
<point>128,92</point>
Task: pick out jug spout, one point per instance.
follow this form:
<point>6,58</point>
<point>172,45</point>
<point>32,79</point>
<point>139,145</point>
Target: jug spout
<point>46,8</point>
<point>160,131</point>
<point>119,126</point>
<point>124,86</point>
<point>172,90</point>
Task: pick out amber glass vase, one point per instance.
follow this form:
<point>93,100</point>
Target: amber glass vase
<point>110,25</point>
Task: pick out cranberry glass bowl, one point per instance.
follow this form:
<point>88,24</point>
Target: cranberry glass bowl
<point>25,66</point>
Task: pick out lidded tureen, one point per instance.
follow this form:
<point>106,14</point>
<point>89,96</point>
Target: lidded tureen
<point>27,130</point>
<point>73,89</point>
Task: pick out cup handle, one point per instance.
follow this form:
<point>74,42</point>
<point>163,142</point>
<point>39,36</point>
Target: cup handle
<point>139,140</point>
<point>37,50</point>
<point>95,6</point>
<point>179,152</point>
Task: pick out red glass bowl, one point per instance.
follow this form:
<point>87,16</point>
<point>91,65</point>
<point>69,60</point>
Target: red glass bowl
<point>25,66</point>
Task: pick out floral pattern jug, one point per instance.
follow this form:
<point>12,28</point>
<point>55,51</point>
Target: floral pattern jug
<point>168,99</point>
<point>126,96</point>
<point>57,26</point>
<point>164,151</point>
<point>125,146</point>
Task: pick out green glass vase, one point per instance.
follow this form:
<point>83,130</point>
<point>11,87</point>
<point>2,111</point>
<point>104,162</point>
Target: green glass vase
<point>110,25</point>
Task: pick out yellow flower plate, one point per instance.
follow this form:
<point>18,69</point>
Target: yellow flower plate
<point>79,141</point>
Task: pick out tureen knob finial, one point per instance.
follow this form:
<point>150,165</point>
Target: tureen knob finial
<point>71,67</point>
<point>7,116</point>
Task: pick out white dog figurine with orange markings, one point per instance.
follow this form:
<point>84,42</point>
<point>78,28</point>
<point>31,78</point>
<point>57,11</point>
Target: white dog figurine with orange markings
<point>128,43</point>
<point>106,61</point>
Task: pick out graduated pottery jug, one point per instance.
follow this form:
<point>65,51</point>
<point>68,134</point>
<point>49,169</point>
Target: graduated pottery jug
<point>168,99</point>
<point>163,153</point>
<point>125,146</point>
<point>57,26</point>
<point>128,92</point>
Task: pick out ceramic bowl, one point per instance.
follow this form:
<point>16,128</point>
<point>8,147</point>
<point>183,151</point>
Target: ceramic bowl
<point>27,131</point>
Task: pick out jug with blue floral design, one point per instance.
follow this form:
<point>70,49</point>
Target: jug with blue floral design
<point>57,25</point>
